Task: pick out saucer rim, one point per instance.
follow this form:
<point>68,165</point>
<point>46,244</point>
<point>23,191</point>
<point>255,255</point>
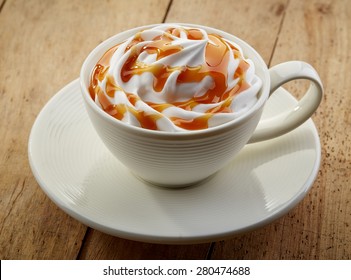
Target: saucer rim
<point>161,239</point>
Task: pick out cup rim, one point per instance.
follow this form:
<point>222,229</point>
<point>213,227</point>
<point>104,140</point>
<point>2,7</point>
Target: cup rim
<point>189,134</point>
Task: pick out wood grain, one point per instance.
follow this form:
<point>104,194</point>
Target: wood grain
<point>320,227</point>
<point>102,246</point>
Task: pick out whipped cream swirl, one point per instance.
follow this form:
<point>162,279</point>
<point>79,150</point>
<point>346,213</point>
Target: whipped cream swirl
<point>175,78</point>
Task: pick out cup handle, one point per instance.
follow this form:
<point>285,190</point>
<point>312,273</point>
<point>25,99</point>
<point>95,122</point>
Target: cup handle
<point>287,121</point>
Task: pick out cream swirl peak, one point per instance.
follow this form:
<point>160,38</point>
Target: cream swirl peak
<point>175,78</point>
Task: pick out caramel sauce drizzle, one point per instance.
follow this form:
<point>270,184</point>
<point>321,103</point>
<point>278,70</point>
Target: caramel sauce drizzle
<point>217,58</point>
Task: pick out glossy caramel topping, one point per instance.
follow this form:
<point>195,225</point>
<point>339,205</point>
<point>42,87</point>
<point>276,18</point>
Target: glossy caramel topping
<point>218,54</point>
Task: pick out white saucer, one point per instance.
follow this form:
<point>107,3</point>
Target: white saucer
<point>80,175</point>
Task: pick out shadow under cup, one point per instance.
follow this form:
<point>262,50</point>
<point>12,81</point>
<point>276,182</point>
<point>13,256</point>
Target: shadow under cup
<point>174,159</point>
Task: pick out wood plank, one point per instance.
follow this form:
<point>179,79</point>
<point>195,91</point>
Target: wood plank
<point>320,226</point>
<point>102,246</point>
<point>42,46</point>
<point>2,3</point>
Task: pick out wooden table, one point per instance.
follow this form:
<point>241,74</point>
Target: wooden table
<point>42,47</point>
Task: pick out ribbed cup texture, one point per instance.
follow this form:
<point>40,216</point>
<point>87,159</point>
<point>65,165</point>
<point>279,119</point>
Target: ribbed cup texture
<point>172,162</point>
<point>162,159</point>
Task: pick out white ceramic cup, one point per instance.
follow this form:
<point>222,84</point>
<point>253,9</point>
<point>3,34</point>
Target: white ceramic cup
<point>178,159</point>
